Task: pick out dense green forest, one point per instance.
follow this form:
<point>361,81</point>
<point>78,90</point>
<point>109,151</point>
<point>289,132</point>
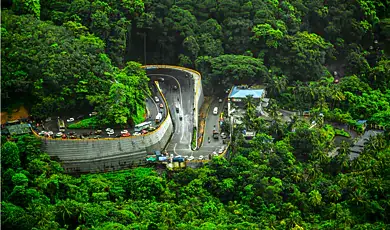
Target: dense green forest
<point>59,56</point>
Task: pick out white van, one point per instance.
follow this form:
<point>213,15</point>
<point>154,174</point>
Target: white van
<point>215,111</point>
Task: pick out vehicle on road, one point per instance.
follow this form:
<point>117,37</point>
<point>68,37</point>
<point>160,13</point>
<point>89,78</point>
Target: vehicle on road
<point>61,125</point>
<point>109,129</point>
<point>151,128</point>
<point>215,135</point>
<point>42,133</point>
<point>160,79</point>
<point>161,105</point>
<point>180,117</point>
<point>175,87</point>
<point>158,118</point>
<point>143,125</point>
<point>215,111</point>
<point>70,119</point>
<point>111,132</point>
<point>59,134</point>
<point>177,106</point>
<point>223,135</point>
<point>125,134</point>
<point>220,151</point>
<point>124,131</point>
<point>98,132</point>
<point>156,99</point>
<point>144,131</point>
<point>201,157</point>
<point>220,100</point>
<point>137,134</point>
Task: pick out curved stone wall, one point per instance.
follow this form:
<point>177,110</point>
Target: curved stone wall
<point>108,154</point>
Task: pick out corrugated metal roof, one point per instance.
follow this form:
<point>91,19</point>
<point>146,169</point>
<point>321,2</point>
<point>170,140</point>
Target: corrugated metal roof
<point>236,92</point>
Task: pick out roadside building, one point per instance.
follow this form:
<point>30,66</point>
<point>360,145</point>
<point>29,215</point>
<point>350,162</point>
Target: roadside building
<point>237,95</point>
<point>19,129</point>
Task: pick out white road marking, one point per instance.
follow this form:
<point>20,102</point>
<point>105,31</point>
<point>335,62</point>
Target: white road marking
<point>181,102</point>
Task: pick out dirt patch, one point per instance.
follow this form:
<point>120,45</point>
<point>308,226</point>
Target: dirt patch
<point>16,114</point>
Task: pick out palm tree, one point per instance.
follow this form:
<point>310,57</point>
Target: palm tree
<point>277,85</point>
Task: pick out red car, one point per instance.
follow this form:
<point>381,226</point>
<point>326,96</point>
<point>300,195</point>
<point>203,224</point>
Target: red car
<point>144,131</point>
<point>126,134</point>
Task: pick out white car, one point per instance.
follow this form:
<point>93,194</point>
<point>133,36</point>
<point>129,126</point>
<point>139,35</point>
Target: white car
<point>220,151</point>
<point>42,133</point>
<point>109,130</point>
<point>220,100</point>
<point>156,99</point>
<point>215,111</point>
<point>124,131</point>
<point>50,133</point>
<point>70,119</point>
<point>59,134</point>
<point>191,158</point>
<point>136,134</point>
<point>201,157</point>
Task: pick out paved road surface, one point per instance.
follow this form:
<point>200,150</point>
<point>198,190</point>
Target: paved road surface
<point>180,143</point>
<point>211,121</point>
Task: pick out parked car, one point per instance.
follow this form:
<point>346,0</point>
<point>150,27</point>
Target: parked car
<point>50,133</point>
<point>151,128</point>
<point>223,135</point>
<point>59,134</point>
<point>220,151</point>
<point>201,157</point>
<point>124,131</point>
<point>109,130</point>
<point>118,135</point>
<point>97,137</point>
<point>126,134</point>
<point>42,133</point>
<point>70,119</point>
<point>191,158</point>
<point>73,137</point>
<point>144,131</point>
<point>71,133</point>
<point>161,105</point>
<point>136,134</point>
<point>156,99</point>
<point>98,132</point>
<point>64,136</point>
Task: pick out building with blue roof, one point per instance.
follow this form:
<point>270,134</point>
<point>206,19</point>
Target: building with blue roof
<point>238,93</point>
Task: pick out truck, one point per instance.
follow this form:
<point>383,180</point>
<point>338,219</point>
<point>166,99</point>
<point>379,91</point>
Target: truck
<point>215,134</point>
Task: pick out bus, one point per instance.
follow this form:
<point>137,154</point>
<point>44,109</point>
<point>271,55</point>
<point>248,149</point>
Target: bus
<point>143,125</point>
<point>61,125</point>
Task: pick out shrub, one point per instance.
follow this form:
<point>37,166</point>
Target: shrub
<point>85,123</point>
<point>342,132</point>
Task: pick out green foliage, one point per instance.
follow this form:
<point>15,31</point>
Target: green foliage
<point>194,142</point>
<point>85,123</point>
<point>10,155</point>
<point>342,132</point>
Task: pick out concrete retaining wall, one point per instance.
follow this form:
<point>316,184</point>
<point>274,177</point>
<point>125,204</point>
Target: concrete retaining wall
<point>108,154</point>
<point>89,155</point>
